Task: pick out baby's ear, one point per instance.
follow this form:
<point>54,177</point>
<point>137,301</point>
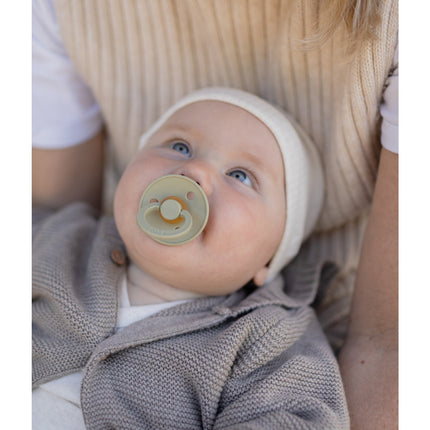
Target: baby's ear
<point>261,276</point>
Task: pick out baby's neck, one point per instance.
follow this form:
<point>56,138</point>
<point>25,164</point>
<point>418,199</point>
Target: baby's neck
<point>143,289</point>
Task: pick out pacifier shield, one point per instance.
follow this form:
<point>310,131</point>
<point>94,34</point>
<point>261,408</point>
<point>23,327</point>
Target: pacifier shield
<point>173,210</point>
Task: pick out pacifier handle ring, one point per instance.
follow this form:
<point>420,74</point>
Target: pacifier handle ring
<point>173,232</point>
<point>173,210</point>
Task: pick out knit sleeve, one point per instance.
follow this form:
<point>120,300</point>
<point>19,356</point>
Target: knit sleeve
<point>299,388</point>
<point>38,217</point>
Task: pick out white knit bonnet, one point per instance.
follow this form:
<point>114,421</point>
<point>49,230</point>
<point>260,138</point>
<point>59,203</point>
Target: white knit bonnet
<point>304,179</point>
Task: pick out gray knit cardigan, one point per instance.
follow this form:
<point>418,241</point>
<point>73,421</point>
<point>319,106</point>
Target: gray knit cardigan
<point>255,359</point>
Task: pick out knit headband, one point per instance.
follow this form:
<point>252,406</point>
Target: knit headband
<point>304,179</point>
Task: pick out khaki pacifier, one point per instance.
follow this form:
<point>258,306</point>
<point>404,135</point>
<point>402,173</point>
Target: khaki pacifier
<point>173,210</point>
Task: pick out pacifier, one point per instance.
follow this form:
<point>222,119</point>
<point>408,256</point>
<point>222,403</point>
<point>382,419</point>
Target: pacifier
<point>173,210</point>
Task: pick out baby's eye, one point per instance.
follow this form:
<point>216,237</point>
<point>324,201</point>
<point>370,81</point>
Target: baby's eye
<point>181,147</point>
<point>241,176</point>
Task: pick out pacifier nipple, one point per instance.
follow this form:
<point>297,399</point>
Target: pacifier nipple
<point>173,210</point>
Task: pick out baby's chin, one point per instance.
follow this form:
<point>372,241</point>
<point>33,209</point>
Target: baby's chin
<point>146,253</point>
<point>194,266</point>
<point>194,273</point>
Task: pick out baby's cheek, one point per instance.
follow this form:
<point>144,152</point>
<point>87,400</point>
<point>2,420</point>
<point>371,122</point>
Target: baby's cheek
<point>267,231</point>
<point>246,233</point>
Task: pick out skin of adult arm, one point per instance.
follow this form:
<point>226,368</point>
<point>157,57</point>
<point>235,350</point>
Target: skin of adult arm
<point>369,358</point>
<point>61,176</point>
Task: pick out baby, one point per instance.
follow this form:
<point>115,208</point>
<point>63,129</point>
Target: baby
<point>134,331</point>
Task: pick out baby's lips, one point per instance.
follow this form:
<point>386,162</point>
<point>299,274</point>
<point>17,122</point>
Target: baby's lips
<point>173,210</point>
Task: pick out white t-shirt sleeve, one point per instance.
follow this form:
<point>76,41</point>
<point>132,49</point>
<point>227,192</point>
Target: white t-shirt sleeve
<point>390,109</point>
<point>65,112</point>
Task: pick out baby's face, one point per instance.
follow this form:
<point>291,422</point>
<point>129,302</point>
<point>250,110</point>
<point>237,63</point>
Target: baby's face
<point>237,162</point>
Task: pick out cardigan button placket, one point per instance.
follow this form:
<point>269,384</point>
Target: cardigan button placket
<point>118,257</point>
<point>221,310</point>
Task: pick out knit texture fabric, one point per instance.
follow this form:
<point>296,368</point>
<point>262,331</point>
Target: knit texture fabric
<point>141,56</point>
<point>254,359</point>
<point>57,285</point>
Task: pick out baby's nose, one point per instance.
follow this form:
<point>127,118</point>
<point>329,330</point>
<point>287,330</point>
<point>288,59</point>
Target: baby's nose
<point>199,172</point>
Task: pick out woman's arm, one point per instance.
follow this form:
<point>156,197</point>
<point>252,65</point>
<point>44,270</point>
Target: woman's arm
<point>369,358</point>
<point>60,176</point>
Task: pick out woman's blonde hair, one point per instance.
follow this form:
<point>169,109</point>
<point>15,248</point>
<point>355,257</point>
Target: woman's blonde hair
<point>359,17</point>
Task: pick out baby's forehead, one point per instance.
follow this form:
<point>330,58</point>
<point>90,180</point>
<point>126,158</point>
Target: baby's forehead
<point>220,113</point>
<point>225,122</point>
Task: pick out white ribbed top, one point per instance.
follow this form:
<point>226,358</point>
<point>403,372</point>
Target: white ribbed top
<point>140,56</point>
